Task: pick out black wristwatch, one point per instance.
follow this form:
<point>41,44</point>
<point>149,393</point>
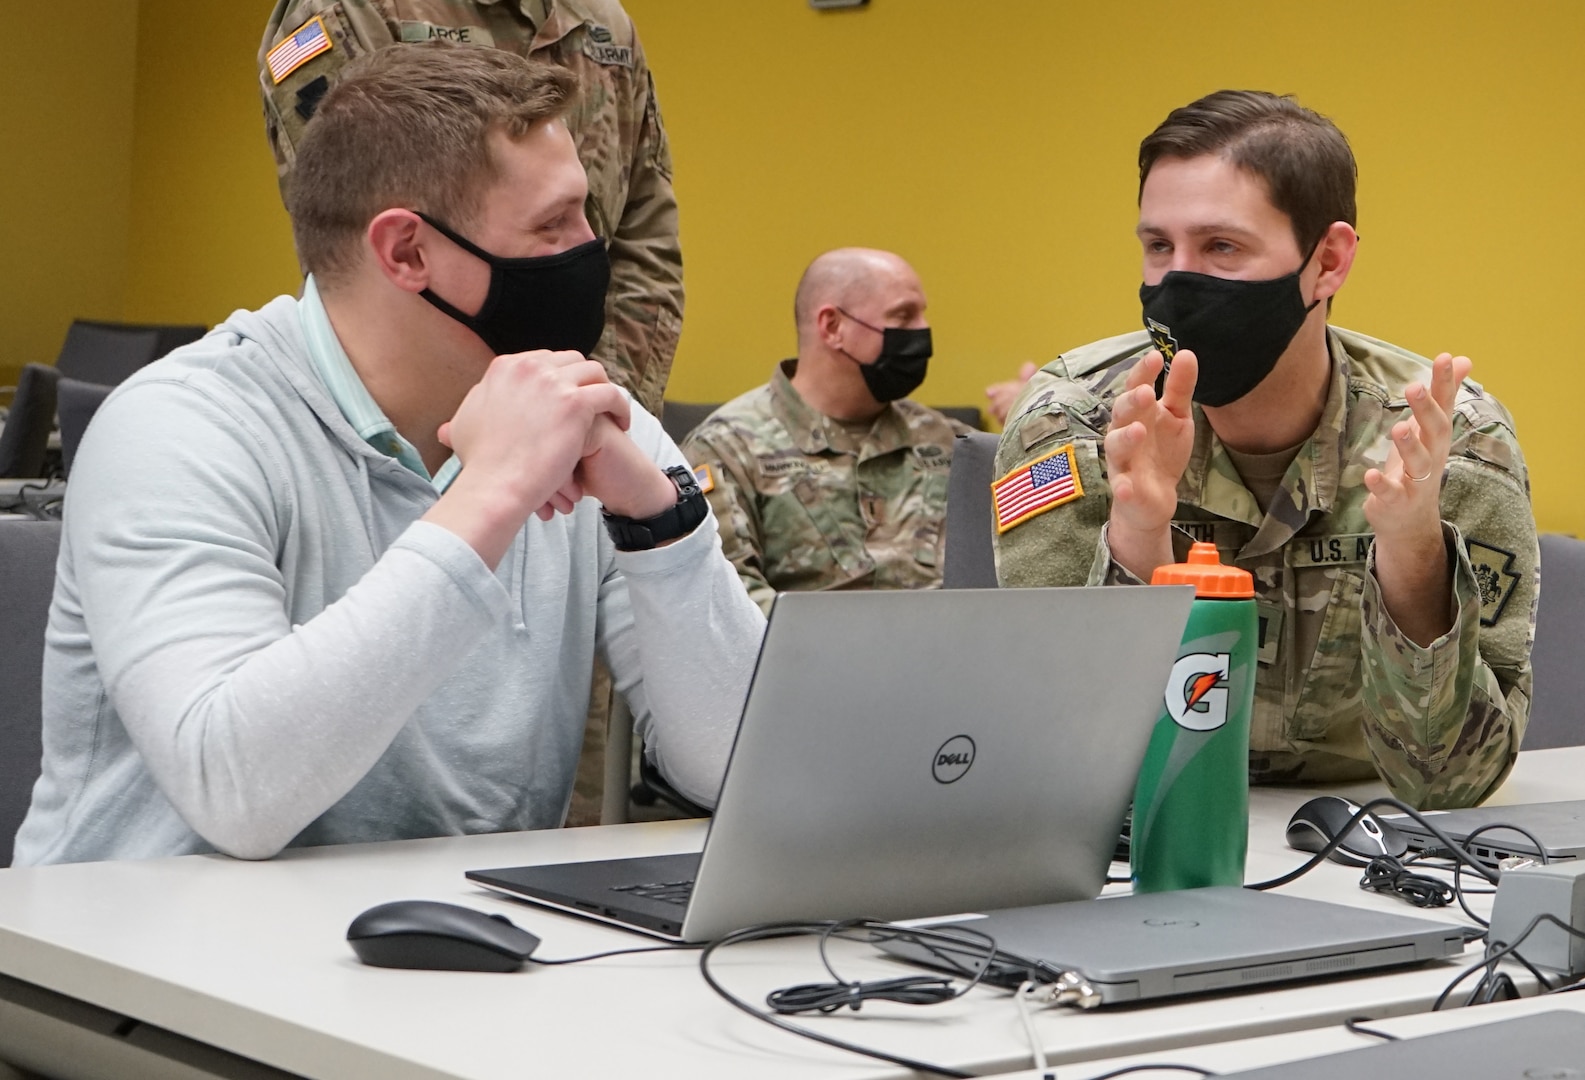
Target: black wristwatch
<point>680,519</point>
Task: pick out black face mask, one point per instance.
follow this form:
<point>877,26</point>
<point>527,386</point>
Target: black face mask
<point>554,302</point>
<point>900,367</point>
<point>1236,329</point>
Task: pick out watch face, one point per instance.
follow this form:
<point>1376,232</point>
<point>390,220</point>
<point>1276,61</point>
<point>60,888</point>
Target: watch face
<point>687,483</point>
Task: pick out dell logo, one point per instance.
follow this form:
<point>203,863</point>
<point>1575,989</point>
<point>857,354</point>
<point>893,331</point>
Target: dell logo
<point>953,759</point>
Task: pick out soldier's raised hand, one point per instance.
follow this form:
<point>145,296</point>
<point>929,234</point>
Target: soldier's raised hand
<point>1147,448</point>
<point>1405,494</point>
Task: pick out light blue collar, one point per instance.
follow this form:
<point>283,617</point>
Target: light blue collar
<point>352,397</point>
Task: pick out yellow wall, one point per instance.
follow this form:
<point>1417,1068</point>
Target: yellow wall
<point>65,174</point>
<point>993,145</point>
<point>208,231</point>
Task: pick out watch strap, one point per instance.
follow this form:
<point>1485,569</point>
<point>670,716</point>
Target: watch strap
<point>679,519</point>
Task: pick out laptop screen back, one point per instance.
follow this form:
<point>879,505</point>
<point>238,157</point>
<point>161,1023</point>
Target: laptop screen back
<point>906,754</point>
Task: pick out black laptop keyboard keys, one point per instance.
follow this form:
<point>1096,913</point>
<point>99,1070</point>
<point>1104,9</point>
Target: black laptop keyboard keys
<point>667,892</point>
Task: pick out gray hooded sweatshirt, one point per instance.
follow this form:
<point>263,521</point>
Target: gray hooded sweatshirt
<point>254,642</point>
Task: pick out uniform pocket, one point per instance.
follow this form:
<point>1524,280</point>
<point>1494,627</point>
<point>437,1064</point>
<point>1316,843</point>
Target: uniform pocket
<point>1330,690</point>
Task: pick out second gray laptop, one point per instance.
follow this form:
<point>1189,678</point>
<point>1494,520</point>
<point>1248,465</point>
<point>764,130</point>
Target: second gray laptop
<point>1559,827</point>
<point>909,753</point>
<point>1160,945</point>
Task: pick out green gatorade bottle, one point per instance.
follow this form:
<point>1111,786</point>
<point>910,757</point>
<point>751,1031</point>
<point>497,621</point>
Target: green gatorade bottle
<point>1191,806</point>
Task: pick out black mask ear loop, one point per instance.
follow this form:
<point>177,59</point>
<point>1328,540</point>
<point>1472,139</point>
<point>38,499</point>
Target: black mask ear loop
<point>472,322</point>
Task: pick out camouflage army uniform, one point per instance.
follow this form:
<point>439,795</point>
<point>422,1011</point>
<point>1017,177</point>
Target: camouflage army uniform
<point>617,125</point>
<point>1340,693</point>
<point>804,504</point>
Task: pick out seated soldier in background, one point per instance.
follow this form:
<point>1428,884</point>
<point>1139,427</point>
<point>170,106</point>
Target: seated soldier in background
<point>827,477</point>
<point>339,571</point>
<point>1379,499</point>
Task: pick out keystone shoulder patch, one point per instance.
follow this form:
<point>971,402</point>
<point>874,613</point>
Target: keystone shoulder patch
<point>1495,576</point>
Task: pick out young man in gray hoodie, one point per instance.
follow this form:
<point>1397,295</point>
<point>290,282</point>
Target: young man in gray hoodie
<point>338,571</point>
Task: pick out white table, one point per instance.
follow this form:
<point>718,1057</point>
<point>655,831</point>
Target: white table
<point>1244,1054</point>
<point>251,958</point>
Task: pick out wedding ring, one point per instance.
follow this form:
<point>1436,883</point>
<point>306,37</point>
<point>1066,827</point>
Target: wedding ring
<point>1417,479</point>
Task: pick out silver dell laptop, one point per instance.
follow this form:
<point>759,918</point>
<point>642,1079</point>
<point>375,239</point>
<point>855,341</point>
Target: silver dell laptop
<point>909,753</point>
<point>1159,945</point>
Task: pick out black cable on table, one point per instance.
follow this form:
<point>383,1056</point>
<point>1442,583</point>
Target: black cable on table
<point>1356,1025</point>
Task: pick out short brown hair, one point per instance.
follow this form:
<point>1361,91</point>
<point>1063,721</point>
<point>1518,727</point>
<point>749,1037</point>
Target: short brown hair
<point>408,126</point>
<point>1302,157</point>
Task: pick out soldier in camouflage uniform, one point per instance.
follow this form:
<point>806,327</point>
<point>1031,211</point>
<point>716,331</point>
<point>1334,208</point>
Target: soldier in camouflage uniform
<point>617,127</point>
<point>1379,656</point>
<point>822,479</point>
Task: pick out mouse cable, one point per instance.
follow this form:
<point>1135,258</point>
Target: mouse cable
<point>1359,815</point>
<point>948,945</point>
<point>1125,1070</point>
<point>681,946</point>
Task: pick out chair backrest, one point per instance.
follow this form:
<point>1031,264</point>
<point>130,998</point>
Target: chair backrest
<point>106,353</point>
<point>679,418</point>
<point>76,402</point>
<point>175,336</point>
<point>25,439</point>
<point>970,556</point>
<point>1557,708</point>
<point>964,414</point>
<point>27,551</point>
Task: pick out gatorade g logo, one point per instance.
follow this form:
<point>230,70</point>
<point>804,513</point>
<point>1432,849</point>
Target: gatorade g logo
<point>1196,695</point>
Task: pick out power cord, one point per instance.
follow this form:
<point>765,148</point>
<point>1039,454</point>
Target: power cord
<point>1386,874</point>
<point>852,994</point>
<point>1497,951</point>
<point>1356,1025</point>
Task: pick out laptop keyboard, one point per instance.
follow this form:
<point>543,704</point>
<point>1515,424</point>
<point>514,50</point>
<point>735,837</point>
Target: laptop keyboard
<point>667,892</point>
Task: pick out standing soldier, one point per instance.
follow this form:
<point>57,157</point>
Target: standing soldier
<point>828,477</point>
<point>616,125</point>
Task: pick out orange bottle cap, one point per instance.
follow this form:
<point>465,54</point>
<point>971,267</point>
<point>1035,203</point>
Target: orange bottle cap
<point>1210,578</point>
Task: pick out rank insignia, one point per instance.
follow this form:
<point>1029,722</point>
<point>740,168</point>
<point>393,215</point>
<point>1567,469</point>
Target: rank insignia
<point>1161,337</point>
<point>1032,489</point>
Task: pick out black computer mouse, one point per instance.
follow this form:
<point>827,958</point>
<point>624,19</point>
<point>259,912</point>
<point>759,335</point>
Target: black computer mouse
<point>1315,823</point>
<point>438,937</point>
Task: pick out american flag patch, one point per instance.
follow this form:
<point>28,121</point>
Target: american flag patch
<point>307,42</point>
<point>705,478</point>
<point>1035,488</point>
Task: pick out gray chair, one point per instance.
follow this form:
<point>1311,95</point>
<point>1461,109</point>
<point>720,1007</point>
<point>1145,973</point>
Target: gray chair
<point>76,402</point>
<point>964,414</point>
<point>1557,708</point>
<point>970,561</point>
<point>679,418</point>
<point>107,353</point>
<point>24,442</point>
<point>27,552</point>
